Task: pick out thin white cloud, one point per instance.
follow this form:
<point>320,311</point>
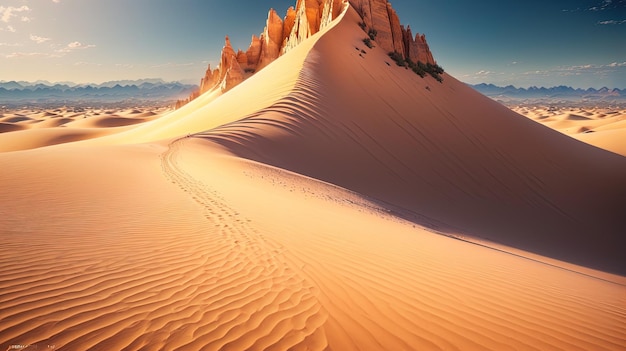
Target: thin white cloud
<point>617,64</point>
<point>611,22</point>
<point>83,63</point>
<point>75,45</point>
<point>7,13</point>
<point>590,67</point>
<point>37,39</point>
<point>17,55</point>
<point>603,5</point>
<point>56,1</point>
<point>606,4</point>
<point>171,64</point>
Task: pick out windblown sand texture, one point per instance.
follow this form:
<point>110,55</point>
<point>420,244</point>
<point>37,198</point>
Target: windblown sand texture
<point>39,128</point>
<point>599,126</point>
<point>348,204</point>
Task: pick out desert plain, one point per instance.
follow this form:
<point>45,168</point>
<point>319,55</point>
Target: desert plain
<point>348,204</point>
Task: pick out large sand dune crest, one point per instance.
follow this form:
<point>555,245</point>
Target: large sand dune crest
<point>459,161</point>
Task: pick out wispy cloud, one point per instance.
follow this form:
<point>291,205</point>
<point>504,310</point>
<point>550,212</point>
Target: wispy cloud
<point>75,45</point>
<point>577,70</point>
<point>19,55</point>
<point>588,72</point>
<point>37,39</point>
<point>7,13</point>
<point>83,63</point>
<point>617,64</point>
<point>611,22</point>
<point>171,64</point>
<point>603,5</point>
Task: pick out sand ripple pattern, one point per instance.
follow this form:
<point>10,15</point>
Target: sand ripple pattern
<point>181,281</point>
<point>274,306</point>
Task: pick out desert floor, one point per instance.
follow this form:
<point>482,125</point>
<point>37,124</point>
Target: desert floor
<point>604,127</point>
<point>329,212</point>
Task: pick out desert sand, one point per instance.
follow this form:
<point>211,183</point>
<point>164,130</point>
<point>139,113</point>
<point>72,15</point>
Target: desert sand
<point>348,205</point>
<point>44,127</point>
<point>604,127</point>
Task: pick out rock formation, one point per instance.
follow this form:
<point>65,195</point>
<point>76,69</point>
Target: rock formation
<point>254,51</point>
<point>271,39</point>
<point>378,15</point>
<point>301,22</point>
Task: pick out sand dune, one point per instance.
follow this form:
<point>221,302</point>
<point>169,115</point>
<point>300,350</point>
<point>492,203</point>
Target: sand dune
<point>601,127</point>
<point>445,157</point>
<point>191,263</point>
<point>344,208</point>
<point>9,127</point>
<point>39,129</point>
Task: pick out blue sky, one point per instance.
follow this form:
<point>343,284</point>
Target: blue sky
<point>581,43</point>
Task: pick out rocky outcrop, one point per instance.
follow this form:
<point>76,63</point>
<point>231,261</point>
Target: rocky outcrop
<point>254,51</point>
<point>382,25</point>
<point>330,11</point>
<point>271,39</point>
<point>278,37</point>
<point>307,18</point>
<point>228,74</point>
<point>410,47</point>
<point>423,50</point>
<point>301,29</point>
<point>289,22</point>
<point>378,15</point>
<point>396,29</point>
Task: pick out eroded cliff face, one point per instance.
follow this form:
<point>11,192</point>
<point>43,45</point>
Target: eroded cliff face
<point>307,18</point>
<point>391,35</point>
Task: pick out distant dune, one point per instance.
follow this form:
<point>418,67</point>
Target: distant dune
<point>601,127</point>
<point>330,201</point>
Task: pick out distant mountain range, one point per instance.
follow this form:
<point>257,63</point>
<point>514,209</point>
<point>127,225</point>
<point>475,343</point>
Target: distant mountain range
<point>123,92</point>
<point>558,93</point>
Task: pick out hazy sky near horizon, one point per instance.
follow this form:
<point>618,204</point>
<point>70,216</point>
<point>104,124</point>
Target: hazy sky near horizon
<point>581,43</point>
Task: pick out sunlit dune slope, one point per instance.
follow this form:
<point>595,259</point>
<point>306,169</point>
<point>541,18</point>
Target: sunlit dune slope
<point>213,109</point>
<point>28,129</point>
<point>601,127</point>
<point>442,154</point>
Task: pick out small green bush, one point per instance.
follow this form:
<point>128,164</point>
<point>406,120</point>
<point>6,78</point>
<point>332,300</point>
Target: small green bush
<point>368,43</point>
<point>397,57</point>
<point>372,34</point>
<point>362,25</point>
<point>418,68</point>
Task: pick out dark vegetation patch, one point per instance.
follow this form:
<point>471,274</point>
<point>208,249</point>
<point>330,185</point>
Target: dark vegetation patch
<point>419,68</point>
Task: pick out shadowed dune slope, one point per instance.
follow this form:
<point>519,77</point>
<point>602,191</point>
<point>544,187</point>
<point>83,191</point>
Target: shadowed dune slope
<point>440,154</point>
